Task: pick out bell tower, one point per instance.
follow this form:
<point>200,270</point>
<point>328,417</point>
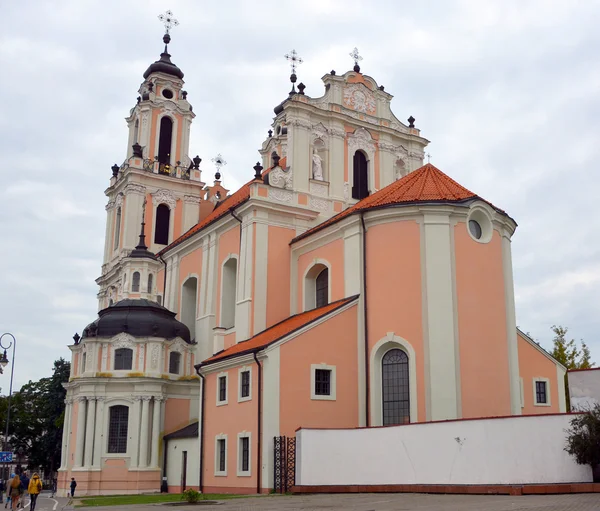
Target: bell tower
<point>157,187</point>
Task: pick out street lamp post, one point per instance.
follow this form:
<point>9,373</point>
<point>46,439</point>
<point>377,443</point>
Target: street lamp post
<point>4,363</point>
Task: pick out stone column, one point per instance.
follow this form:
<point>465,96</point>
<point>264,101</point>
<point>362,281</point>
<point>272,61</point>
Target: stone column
<point>134,432</point>
<point>144,440</point>
<point>66,434</point>
<point>80,432</point>
<point>89,432</point>
<point>99,437</point>
<point>154,446</point>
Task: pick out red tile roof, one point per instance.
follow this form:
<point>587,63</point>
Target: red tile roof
<point>278,331</point>
<point>223,208</point>
<point>426,184</point>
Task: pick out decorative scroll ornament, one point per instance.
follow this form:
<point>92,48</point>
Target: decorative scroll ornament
<point>320,132</point>
<point>180,346</point>
<point>164,197</point>
<point>280,178</point>
<point>359,98</point>
<point>318,189</point>
<point>300,122</point>
<point>154,356</point>
<point>319,204</point>
<point>123,340</point>
<point>346,191</point>
<point>134,188</point>
<point>109,205</point>
<point>361,139</point>
<point>281,195</point>
<point>191,199</point>
<point>119,200</point>
<point>337,132</point>
<point>142,353</point>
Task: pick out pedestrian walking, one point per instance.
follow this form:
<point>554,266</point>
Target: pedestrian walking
<point>34,488</point>
<point>24,487</point>
<point>73,486</point>
<point>14,491</point>
<point>53,487</point>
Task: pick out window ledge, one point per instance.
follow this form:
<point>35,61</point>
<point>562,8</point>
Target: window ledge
<point>542,404</point>
<point>244,399</point>
<point>221,403</point>
<point>220,474</point>
<point>244,474</point>
<point>316,397</point>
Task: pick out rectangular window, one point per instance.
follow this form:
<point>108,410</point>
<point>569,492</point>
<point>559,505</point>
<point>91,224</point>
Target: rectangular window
<point>222,388</point>
<point>117,429</point>
<point>245,384</point>
<point>245,454</point>
<point>322,382</point>
<point>174,362</point>
<point>221,449</point>
<point>541,392</point>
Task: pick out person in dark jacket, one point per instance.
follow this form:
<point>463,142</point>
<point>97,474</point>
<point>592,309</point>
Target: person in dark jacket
<point>73,486</point>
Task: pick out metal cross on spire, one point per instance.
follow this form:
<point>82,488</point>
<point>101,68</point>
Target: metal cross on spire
<point>168,21</point>
<point>219,162</point>
<point>294,60</point>
<point>357,58</point>
<point>428,158</point>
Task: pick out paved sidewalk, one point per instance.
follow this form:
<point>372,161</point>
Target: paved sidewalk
<point>389,502</point>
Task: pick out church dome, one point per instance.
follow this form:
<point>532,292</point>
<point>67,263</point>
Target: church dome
<point>164,64</point>
<point>139,318</point>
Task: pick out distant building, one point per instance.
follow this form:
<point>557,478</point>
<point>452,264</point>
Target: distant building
<point>347,284</point>
<point>584,388</point>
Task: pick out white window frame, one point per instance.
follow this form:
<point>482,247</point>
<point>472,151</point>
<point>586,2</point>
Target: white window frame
<point>226,376</point>
<point>181,363</point>
<point>309,283</point>
<point>221,473</point>
<point>535,401</point>
<point>240,472</point>
<point>332,382</point>
<point>249,396</point>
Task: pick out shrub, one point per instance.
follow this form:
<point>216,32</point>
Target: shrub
<point>583,438</point>
<point>192,495</point>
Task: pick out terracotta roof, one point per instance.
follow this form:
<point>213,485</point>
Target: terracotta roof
<point>426,184</point>
<point>223,208</point>
<point>278,331</point>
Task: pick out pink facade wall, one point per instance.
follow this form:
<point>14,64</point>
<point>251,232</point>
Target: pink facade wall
<point>333,253</point>
<point>395,300</point>
<point>177,414</point>
<point>334,343</point>
<point>190,265</point>
<point>533,364</point>
<point>483,340</point>
<point>229,243</point>
<point>278,274</point>
<point>230,419</point>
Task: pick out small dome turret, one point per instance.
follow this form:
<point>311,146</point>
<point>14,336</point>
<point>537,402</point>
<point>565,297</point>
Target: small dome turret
<point>164,64</point>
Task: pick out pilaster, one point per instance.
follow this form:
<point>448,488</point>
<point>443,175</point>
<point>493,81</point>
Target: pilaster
<point>79,443</point>
<point>134,433</point>
<point>154,446</point>
<point>144,430</point>
<point>99,433</point>
<point>261,272</point>
<point>244,280</point>
<point>90,432</point>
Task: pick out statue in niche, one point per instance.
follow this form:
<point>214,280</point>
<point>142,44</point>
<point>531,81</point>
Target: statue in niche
<point>317,167</point>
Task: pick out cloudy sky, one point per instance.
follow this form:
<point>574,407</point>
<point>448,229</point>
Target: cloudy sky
<point>506,90</point>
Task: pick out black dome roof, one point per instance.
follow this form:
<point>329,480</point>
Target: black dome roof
<point>164,65</point>
<point>139,318</point>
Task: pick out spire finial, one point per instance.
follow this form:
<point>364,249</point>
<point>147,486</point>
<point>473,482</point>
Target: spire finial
<point>294,59</point>
<point>428,158</point>
<point>142,244</point>
<point>219,162</point>
<point>169,22</point>
<point>357,58</point>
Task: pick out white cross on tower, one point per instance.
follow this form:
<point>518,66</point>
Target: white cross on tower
<point>294,60</point>
<point>168,21</point>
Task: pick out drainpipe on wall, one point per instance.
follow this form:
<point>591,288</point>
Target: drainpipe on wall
<point>201,478</point>
<point>164,281</point>
<point>365,320</point>
<point>259,427</point>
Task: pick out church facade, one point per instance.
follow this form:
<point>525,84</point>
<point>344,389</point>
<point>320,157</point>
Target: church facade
<point>346,284</point>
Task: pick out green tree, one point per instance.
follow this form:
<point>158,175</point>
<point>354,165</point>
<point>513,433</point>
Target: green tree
<point>569,354</point>
<point>37,416</point>
<point>583,440</point>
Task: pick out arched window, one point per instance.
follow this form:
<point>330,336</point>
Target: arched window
<point>150,282</point>
<point>161,227</point>
<point>322,288</point>
<point>135,130</point>
<point>395,390</point>
<point>360,185</point>
<point>123,359</point>
<point>117,429</point>
<point>189,292</point>
<point>174,362</point>
<point>229,280</point>
<point>164,142</point>
<point>135,282</point>
<point>117,228</point>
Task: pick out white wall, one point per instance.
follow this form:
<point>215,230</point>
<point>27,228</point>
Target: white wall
<point>584,389</point>
<point>174,461</point>
<point>516,450</point>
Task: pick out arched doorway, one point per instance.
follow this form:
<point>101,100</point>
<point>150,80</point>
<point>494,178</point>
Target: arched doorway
<point>360,185</point>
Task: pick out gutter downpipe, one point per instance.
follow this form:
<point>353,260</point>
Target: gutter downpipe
<point>164,280</point>
<point>201,478</point>
<point>259,427</point>
<point>366,324</point>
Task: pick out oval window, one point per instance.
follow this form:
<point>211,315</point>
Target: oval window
<point>475,229</point>
<point>167,93</point>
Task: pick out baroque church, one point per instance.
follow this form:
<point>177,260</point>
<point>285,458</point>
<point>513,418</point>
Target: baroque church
<point>346,284</point>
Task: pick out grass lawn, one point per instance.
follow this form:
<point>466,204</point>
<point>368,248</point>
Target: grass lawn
<point>123,500</point>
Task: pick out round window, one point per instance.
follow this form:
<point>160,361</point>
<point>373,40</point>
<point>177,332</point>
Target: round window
<point>475,229</point>
<point>167,93</point>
